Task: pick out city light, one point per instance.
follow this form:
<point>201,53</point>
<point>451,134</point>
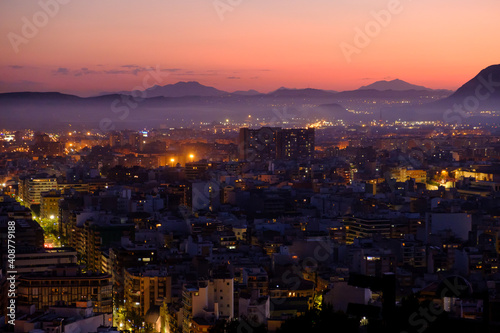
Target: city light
<point>154,177</point>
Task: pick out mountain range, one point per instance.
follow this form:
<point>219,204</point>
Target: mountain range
<point>193,88</point>
<point>185,103</point>
<point>396,84</point>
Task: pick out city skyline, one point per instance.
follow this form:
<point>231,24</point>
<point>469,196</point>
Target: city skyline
<point>228,166</point>
<point>85,49</point>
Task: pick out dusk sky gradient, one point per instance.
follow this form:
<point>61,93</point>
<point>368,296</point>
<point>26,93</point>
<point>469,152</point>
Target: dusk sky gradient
<point>92,46</point>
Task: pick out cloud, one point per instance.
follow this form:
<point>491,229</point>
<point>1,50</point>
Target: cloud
<point>130,69</point>
<point>255,77</point>
<point>116,71</point>
<point>85,71</point>
<point>376,79</point>
<point>233,78</point>
<point>171,70</point>
<point>192,73</point>
<point>16,67</point>
<point>134,70</point>
<point>61,70</point>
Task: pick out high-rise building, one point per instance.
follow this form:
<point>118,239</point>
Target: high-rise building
<point>269,143</point>
<point>29,236</point>
<point>116,139</point>
<point>43,259</point>
<point>99,235</point>
<point>146,287</point>
<point>365,228</point>
<point>65,284</point>
<point>196,170</point>
<point>210,300</point>
<point>296,144</point>
<point>258,145</point>
<point>36,186</point>
<point>49,204</point>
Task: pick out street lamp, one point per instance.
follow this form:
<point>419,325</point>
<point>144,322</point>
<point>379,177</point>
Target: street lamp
<point>172,160</point>
<point>191,156</point>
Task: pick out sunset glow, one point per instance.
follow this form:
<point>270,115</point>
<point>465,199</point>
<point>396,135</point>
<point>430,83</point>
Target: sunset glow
<point>86,47</point>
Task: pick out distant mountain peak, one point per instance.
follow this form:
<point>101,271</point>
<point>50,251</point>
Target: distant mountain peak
<point>183,89</point>
<point>184,83</point>
<point>395,84</point>
<point>305,92</point>
<point>178,89</point>
<point>251,92</point>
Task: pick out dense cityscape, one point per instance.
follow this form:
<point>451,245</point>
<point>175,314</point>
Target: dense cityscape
<point>232,166</point>
<point>226,229</point>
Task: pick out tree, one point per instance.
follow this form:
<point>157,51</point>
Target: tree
<point>324,320</point>
<point>134,319</point>
<point>236,326</point>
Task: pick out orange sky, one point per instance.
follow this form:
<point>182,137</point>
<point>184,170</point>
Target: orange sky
<point>90,46</point>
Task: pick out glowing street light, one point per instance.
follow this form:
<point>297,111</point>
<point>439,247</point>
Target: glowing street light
<point>172,160</point>
<point>191,156</point>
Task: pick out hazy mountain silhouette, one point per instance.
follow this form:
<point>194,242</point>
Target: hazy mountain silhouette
<point>250,92</point>
<point>186,101</point>
<point>181,89</point>
<point>392,94</point>
<point>396,84</point>
<point>29,96</point>
<point>485,86</point>
<point>481,93</point>
<point>307,92</point>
